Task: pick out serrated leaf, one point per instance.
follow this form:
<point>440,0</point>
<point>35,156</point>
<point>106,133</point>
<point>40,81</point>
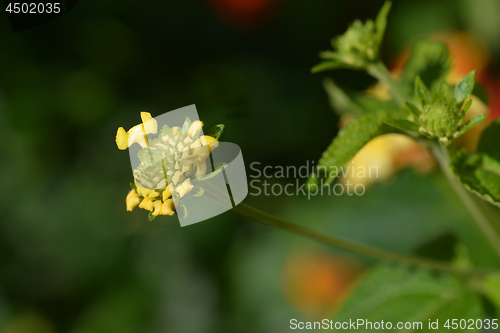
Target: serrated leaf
<point>430,60</point>
<point>465,87</point>
<point>327,65</point>
<point>381,21</point>
<point>421,91</point>
<point>395,295</point>
<point>490,181</point>
<point>413,109</point>
<point>483,183</point>
<point>348,142</point>
<point>402,124</point>
<point>216,131</point>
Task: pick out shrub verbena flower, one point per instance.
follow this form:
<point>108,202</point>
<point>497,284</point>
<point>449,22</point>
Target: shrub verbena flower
<point>168,163</point>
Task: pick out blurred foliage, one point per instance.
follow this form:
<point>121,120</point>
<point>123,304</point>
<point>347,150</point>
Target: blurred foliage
<point>73,260</point>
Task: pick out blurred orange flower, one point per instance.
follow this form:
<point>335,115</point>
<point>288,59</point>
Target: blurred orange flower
<point>315,282</point>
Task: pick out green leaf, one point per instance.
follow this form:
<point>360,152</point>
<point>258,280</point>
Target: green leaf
<point>491,164</point>
<point>197,191</point>
<point>348,142</point>
<point>403,124</point>
<point>422,92</point>
<point>465,87</point>
<point>490,181</point>
<point>216,131</point>
<point>381,21</point>
<point>327,65</point>
<point>444,92</point>
<point>413,109</point>
<point>430,60</point>
<point>216,171</point>
<point>490,138</point>
<point>466,107</point>
<point>476,120</point>
<point>395,295</point>
<point>476,176</point>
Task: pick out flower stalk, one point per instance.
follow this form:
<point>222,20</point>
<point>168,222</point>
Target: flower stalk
<point>365,250</point>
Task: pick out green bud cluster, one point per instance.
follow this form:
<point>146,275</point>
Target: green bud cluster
<point>442,113</point>
<point>358,46</point>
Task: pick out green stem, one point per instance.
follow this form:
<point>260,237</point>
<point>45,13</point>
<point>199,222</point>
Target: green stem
<point>369,251</point>
<point>481,218</point>
<point>365,250</point>
<point>381,73</point>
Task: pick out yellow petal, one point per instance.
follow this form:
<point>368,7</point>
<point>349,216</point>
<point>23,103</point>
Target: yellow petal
<point>201,169</point>
<point>143,191</point>
<point>157,207</point>
<point>185,187</point>
<point>167,207</point>
<point>206,140</point>
<point>122,139</point>
<point>137,134</point>
<point>132,200</point>
<point>166,194</point>
<point>146,204</point>
<point>176,177</point>
<point>150,124</point>
<point>153,194</point>
<point>195,128</point>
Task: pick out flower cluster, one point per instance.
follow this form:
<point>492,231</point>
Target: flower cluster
<point>168,163</point>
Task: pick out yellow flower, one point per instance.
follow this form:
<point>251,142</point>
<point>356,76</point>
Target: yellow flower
<point>169,163</point>
<point>132,200</point>
<point>163,208</point>
<point>146,204</point>
<point>137,133</point>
